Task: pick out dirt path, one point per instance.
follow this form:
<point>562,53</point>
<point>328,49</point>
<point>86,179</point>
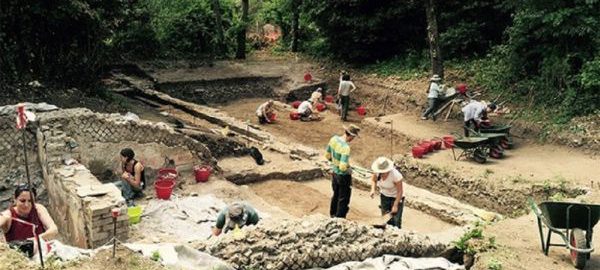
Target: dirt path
<point>305,198</point>
<point>526,164</point>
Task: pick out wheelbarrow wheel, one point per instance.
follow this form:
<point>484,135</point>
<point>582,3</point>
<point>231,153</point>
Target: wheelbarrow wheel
<point>479,156</point>
<point>578,240</point>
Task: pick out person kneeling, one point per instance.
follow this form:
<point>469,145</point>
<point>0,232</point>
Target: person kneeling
<point>264,112</point>
<point>18,220</point>
<point>389,181</point>
<point>133,178</point>
<point>305,110</point>
<point>236,215</point>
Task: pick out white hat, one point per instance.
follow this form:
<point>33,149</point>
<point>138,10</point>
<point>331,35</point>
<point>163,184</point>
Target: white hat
<point>352,129</point>
<point>382,165</point>
<point>435,77</point>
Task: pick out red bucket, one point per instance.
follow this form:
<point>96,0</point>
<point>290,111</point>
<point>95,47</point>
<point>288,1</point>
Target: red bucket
<point>418,151</point>
<point>320,107</point>
<point>167,174</point>
<point>272,117</point>
<point>294,115</point>
<point>437,144</point>
<point>361,110</point>
<point>307,77</point>
<point>296,104</point>
<point>427,146</point>
<point>329,99</point>
<point>448,141</point>
<point>202,173</point>
<point>164,188</point>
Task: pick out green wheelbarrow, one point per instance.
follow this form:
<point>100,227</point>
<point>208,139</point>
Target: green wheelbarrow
<point>507,142</point>
<point>573,222</point>
<point>476,148</point>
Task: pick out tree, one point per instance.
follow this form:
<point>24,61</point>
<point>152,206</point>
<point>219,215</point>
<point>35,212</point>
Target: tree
<point>219,26</point>
<point>241,35</point>
<point>295,23</point>
<point>433,36</point>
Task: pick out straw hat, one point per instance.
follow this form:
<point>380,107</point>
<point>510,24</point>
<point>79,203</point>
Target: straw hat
<point>352,129</point>
<point>382,165</point>
<point>435,78</point>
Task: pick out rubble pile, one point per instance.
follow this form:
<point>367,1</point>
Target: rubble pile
<point>315,241</point>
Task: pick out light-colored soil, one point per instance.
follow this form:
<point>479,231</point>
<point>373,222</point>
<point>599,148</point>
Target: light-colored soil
<point>306,198</point>
<point>519,247</point>
<point>525,164</point>
<point>317,133</point>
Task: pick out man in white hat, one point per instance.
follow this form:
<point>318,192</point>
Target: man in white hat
<point>389,181</point>
<point>338,153</point>
<point>433,97</point>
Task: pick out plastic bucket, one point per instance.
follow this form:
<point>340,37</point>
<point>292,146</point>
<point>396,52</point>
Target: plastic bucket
<point>167,174</point>
<point>296,104</point>
<point>448,141</point>
<point>361,110</point>
<point>164,188</point>
<point>294,115</point>
<point>329,99</point>
<point>307,77</point>
<point>320,107</point>
<point>202,173</point>
<point>272,117</point>
<point>427,147</point>
<point>417,151</point>
<point>135,214</point>
<point>437,144</point>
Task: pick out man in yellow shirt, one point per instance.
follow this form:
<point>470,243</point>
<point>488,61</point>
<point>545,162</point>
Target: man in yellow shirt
<point>338,153</point>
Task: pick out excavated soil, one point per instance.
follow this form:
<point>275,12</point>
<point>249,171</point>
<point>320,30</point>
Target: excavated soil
<point>306,198</point>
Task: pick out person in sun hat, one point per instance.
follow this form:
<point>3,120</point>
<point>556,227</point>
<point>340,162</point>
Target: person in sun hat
<point>235,215</point>
<point>389,181</point>
<point>474,112</point>
<point>433,97</point>
<point>338,154</point>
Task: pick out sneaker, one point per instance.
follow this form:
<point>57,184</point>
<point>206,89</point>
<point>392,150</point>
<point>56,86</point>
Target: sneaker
<point>423,118</point>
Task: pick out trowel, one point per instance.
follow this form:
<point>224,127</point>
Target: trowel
<point>383,221</point>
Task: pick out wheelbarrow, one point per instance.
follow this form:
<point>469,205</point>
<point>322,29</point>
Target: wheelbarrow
<point>573,222</point>
<point>496,140</point>
<point>506,143</point>
<point>476,148</point>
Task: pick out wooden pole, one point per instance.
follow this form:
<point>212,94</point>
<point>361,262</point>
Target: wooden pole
<point>37,238</point>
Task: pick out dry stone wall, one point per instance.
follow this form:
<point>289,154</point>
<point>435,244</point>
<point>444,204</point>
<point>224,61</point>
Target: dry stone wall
<point>221,91</point>
<point>316,242</point>
<point>84,126</point>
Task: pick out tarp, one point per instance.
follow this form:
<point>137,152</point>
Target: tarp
<point>392,262</point>
<point>180,256</point>
<point>181,219</point>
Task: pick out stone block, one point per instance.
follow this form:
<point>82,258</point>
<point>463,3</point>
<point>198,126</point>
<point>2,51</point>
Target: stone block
<point>99,236</point>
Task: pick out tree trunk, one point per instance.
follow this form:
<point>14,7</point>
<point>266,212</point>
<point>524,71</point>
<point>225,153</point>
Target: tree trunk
<point>433,36</point>
<point>241,36</point>
<point>219,27</point>
<point>295,23</point>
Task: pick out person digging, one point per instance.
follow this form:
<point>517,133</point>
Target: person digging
<point>389,181</point>
<point>307,113</point>
<point>474,112</point>
<point>235,216</point>
<point>338,154</point>
<point>133,178</point>
<point>264,112</point>
<point>433,97</point>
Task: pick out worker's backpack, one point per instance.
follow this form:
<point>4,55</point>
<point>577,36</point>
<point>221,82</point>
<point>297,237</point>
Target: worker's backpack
<point>256,155</point>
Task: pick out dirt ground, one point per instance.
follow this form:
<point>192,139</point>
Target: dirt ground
<point>311,197</point>
<point>316,134</point>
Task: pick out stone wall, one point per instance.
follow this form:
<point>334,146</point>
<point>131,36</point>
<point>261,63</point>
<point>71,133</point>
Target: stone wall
<point>316,242</point>
<point>222,90</point>
<point>80,204</point>
<point>81,207</point>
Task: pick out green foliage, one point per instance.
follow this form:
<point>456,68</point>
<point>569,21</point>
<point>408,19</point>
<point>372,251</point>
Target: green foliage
<point>410,65</point>
<point>494,264</point>
<point>155,256</point>
<point>55,40</point>
<point>474,241</point>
